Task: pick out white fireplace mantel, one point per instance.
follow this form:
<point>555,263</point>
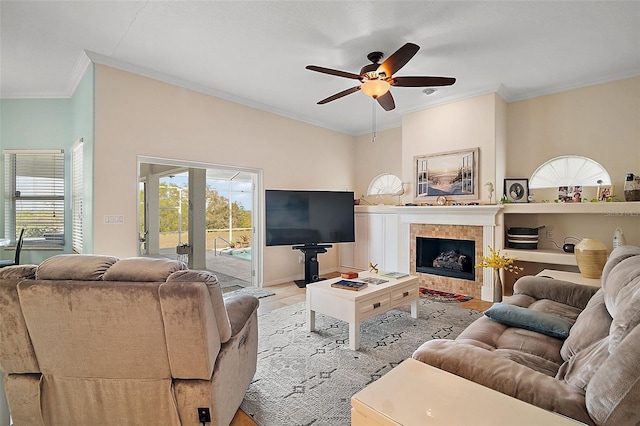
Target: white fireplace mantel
<point>449,215</point>
<point>485,216</point>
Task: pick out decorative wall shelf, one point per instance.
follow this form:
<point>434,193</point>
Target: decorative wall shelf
<point>550,256</point>
<point>618,209</point>
<point>554,256</point>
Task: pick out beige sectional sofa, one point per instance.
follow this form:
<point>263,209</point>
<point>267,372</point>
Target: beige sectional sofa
<point>99,340</point>
<point>593,375</point>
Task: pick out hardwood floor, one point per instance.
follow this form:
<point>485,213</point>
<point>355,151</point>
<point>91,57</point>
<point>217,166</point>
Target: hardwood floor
<point>289,294</point>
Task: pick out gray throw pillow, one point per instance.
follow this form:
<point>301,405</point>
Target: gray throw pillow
<point>516,316</point>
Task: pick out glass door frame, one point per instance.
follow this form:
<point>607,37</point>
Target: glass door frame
<point>257,220</point>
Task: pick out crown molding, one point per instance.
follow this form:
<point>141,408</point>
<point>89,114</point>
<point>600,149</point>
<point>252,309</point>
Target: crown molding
<point>176,81</point>
<point>79,69</point>
<point>578,84</point>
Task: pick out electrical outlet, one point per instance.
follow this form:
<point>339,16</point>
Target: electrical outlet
<point>549,234</point>
<point>204,415</point>
<point>114,219</point>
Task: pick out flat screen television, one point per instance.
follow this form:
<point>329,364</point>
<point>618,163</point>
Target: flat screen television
<point>308,217</point>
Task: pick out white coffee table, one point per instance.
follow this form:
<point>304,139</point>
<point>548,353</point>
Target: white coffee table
<point>356,306</point>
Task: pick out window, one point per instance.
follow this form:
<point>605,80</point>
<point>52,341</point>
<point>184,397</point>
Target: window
<point>569,170</point>
<point>34,196</point>
<point>77,185</point>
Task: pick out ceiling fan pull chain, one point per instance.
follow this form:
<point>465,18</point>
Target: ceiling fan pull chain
<point>373,113</point>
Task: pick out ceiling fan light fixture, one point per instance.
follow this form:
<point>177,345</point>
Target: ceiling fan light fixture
<point>375,88</point>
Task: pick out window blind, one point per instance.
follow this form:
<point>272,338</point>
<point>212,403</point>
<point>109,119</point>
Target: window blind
<point>76,196</point>
<point>34,184</point>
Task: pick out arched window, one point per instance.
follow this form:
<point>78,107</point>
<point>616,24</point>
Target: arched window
<point>385,184</point>
<point>569,170</point>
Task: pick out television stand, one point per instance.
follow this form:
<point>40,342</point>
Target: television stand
<point>311,268</point>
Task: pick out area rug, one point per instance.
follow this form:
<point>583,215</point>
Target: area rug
<point>251,291</point>
<point>442,296</point>
<point>230,281</point>
<point>308,378</point>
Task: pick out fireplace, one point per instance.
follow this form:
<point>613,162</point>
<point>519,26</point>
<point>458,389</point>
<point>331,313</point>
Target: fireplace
<point>471,223</point>
<point>446,257</point>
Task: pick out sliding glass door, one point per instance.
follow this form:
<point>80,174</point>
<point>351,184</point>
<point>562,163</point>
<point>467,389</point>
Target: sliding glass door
<point>204,215</point>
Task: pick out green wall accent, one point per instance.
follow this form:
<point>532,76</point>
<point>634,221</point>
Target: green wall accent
<point>51,124</point>
<point>83,112</point>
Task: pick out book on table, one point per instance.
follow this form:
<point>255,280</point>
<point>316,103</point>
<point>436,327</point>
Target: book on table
<point>394,274</point>
<point>349,285</point>
<point>373,280</point>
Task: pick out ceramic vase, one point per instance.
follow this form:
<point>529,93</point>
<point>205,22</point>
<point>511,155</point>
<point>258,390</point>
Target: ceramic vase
<point>497,286</point>
<point>618,238</point>
<point>591,255</point>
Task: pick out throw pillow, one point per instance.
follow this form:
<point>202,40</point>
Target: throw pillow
<point>516,316</point>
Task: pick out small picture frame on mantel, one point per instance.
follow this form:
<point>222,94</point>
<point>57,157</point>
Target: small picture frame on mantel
<point>516,190</point>
<point>605,192</point>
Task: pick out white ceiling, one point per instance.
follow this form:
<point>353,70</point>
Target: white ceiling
<point>255,52</point>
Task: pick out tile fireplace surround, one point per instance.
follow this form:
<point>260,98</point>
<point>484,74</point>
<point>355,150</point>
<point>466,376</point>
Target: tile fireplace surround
<point>453,232</point>
<point>475,223</point>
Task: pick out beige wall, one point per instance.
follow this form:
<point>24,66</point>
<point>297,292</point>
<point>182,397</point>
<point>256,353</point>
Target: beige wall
<point>375,158</point>
<point>601,122</point>
<point>469,123</point>
<point>140,116</point>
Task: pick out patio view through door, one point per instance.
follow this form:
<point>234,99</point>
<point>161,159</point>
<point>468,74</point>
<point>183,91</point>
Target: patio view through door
<point>202,215</point>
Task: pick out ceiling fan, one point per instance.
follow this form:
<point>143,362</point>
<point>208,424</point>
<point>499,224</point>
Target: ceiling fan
<point>376,79</point>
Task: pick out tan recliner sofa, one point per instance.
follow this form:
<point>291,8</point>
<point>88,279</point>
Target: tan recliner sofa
<point>592,375</point>
<point>96,340</point>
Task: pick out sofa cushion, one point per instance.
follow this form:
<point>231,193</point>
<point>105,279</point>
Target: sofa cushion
<point>591,326</point>
<point>95,322</point>
<point>16,351</point>
<point>532,361</point>
<point>614,390</point>
<point>622,298</point>
<point>75,267</point>
<point>193,341</point>
<point>541,322</point>
<point>113,401</point>
<point>618,254</point>
<point>18,271</point>
<point>493,336</point>
<point>557,309</point>
<point>143,269</point>
<point>579,370</point>
<point>215,294</point>
<point>563,292</point>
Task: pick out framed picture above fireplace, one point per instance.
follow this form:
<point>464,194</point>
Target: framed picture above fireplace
<point>452,174</point>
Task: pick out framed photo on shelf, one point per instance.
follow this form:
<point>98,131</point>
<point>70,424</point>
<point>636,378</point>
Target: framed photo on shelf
<point>452,174</point>
<point>517,190</point>
<point>570,194</point>
<point>605,192</point>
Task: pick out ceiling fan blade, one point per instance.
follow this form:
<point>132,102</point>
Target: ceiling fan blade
<point>330,71</point>
<point>339,95</point>
<point>422,81</point>
<point>399,58</point>
<point>386,101</point>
